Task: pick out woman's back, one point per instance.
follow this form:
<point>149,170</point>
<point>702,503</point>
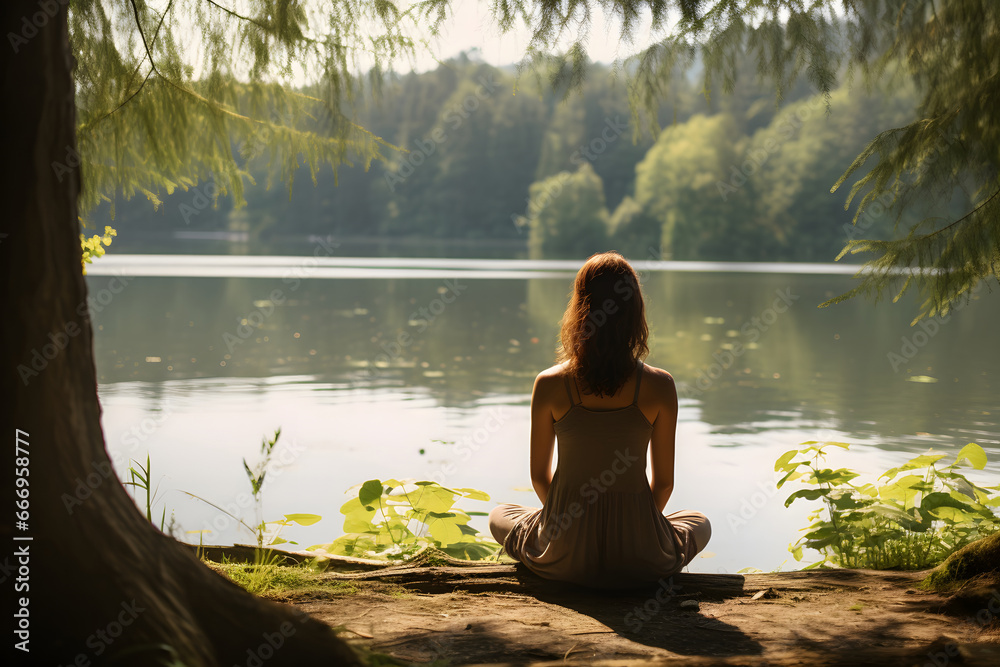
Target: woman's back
<point>608,445</point>
<point>601,522</point>
<point>600,525</point>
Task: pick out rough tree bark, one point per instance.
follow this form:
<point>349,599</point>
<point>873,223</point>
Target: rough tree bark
<point>105,586</point>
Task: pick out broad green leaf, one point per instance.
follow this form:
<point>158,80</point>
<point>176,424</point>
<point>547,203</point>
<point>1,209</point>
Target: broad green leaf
<point>433,499</point>
<point>471,550</point>
<point>808,494</point>
<point>967,488</point>
<point>922,461</point>
<point>444,531</point>
<point>783,461</point>
<point>360,512</point>
<point>303,519</point>
<point>938,499</point>
<point>868,490</point>
<point>354,505</point>
<point>352,545</point>
<point>358,523</point>
<point>979,499</point>
<point>974,454</point>
<point>901,490</point>
<point>370,492</point>
<point>823,529</point>
<point>455,516</point>
<point>832,477</point>
<point>842,445</point>
<point>904,519</point>
<point>909,481</point>
<point>951,515</point>
<point>823,443</point>
<point>435,485</point>
<point>819,544</point>
<point>847,501</point>
<point>474,494</point>
<point>789,477</point>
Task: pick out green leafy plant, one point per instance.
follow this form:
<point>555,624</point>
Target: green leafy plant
<point>919,515</point>
<point>267,532</point>
<point>94,246</point>
<point>394,519</point>
<point>269,529</point>
<point>139,478</point>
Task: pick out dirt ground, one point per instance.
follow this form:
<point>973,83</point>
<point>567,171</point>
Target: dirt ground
<point>450,613</point>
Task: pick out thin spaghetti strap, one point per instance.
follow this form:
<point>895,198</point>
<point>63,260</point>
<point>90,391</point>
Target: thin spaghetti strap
<point>638,380</point>
<point>569,392</point>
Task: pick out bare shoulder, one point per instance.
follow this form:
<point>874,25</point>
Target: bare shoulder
<point>557,371</point>
<point>550,380</point>
<point>659,380</point>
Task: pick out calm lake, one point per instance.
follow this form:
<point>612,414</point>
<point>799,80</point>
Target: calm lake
<point>409,368</point>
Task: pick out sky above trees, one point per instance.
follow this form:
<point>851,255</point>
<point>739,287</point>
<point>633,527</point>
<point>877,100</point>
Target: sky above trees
<point>471,26</point>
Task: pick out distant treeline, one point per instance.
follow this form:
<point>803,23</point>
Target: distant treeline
<point>487,156</point>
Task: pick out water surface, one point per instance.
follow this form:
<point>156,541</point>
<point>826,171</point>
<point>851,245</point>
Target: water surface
<point>422,368</point>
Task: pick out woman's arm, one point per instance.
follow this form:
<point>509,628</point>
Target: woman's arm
<point>543,436</point>
<point>661,444</point>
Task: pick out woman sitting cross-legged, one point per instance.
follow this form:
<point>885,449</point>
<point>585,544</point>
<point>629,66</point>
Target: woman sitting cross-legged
<point>601,522</point>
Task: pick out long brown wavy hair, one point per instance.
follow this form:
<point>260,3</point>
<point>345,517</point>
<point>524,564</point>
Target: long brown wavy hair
<point>604,328</point>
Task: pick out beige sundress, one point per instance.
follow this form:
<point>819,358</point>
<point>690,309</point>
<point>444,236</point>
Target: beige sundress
<point>600,526</point>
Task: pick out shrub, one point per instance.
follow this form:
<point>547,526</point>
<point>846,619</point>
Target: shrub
<point>915,519</point>
<point>395,519</point>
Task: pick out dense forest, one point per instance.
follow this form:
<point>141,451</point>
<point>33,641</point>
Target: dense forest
<point>479,154</point>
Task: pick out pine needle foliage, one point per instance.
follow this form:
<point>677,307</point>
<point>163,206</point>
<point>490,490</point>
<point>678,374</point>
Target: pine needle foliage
<point>178,92</point>
<point>950,50</point>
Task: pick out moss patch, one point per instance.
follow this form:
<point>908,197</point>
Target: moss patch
<point>281,582</point>
<point>982,557</point>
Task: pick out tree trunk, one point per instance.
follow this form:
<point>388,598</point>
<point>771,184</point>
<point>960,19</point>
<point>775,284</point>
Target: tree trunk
<point>103,585</point>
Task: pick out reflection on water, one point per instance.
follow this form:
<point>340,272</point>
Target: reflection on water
<point>396,376</point>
